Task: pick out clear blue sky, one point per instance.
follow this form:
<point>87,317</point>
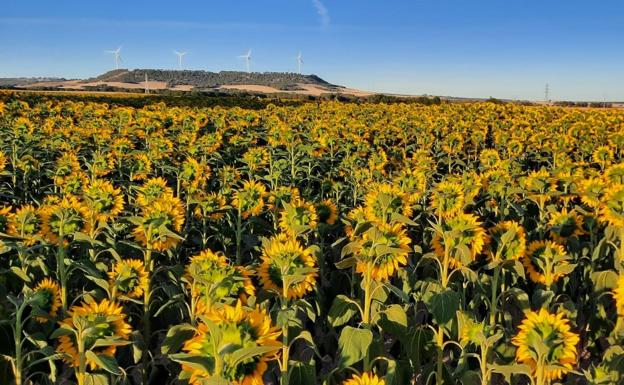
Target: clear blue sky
<point>499,48</point>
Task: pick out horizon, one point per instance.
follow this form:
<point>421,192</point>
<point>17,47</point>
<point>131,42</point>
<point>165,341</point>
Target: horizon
<point>505,51</point>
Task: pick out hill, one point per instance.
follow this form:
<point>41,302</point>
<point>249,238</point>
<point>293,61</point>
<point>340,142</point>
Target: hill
<point>207,79</point>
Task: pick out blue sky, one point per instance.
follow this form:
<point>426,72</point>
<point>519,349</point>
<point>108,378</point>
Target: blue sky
<point>499,48</point>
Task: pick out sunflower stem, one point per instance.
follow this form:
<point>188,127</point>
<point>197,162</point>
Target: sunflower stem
<point>239,234</point>
<point>60,270</point>
<point>146,308</point>
<point>494,300</point>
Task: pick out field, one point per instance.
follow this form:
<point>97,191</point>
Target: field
<point>310,243</point>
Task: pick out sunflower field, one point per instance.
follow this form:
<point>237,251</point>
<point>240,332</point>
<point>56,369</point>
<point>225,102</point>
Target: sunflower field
<point>319,243</point>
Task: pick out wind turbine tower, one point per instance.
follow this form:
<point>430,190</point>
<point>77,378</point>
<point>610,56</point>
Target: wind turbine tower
<point>299,62</point>
<point>547,93</point>
<point>117,54</point>
<point>247,58</point>
<point>180,56</point>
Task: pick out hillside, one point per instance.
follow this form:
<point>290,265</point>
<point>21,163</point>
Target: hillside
<point>206,79</point>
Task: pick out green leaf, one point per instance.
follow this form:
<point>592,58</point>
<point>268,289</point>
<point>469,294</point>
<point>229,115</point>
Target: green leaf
<point>96,379</point>
<point>21,274</point>
<point>394,320</point>
<point>244,354</point>
<point>105,362</point>
<point>353,345</point>
<point>342,310</point>
<point>604,280</point>
<point>301,373</point>
<point>61,332</point>
<point>175,338</point>
<point>443,306</point>
<point>508,370</point>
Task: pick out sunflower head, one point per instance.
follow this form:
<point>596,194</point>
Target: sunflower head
<point>281,195</point>
<point>25,223</point>
<point>157,221</point>
<point>194,174</point>
<point>298,217</point>
<point>489,158</point>
<point>547,344</point>
<point>140,166</point>
<point>287,268</point>
<point>212,279</point>
<point>63,219</point>
<point>152,190</point>
<point>565,224</point>
<point>461,238</point>
<point>249,199</point>
<point>615,174</point>
<point>381,250</point>
<point>383,200</point>
<point>128,279</point>
<point>591,191</point>
<point>612,206</point>
<point>232,328</point>
<point>546,262</point>
<point>367,378</point>
<point>603,155</point>
<point>209,205</point>
<point>95,321</point>
<point>507,241</point>
<point>103,201</point>
<point>327,212</point>
<point>447,199</point>
<point>47,299</point>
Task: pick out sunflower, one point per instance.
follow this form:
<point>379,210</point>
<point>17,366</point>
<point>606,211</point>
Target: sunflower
<point>565,224</point>
<point>537,187</point>
<point>209,205</point>
<point>413,183</point>
<point>327,212</point>
<point>48,299</point>
<point>447,199</point>
<point>193,174</point>
<point>213,279</point>
<point>101,164</point>
<point>237,328</point>
<point>465,237</point>
<point>249,199</point>
<point>152,190</point>
<point>96,321</point>
<point>615,174</point>
<point>603,155</point>
<point>73,183</point>
<point>383,200</point>
<point>228,176</point>
<point>618,295</point>
<point>354,217</point>
<point>63,219</point>
<point>284,259</point>
<point>140,166</point>
<point>612,206</point>
<point>546,262</point>
<point>507,241</point>
<point>163,216</point>
<point>591,191</point>
<point>128,278</point>
<point>489,158</point>
<point>381,250</point>
<point>103,200</point>
<point>25,223</point>
<point>256,158</point>
<point>65,165</point>
<point>281,195</point>
<point>366,378</point>
<point>298,217</point>
<point>546,343</point>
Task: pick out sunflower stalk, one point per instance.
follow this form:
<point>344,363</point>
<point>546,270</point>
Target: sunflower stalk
<point>147,293</point>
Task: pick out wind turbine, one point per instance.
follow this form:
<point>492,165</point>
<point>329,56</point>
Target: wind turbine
<point>180,56</point>
<point>117,54</point>
<point>299,62</point>
<point>247,58</point>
